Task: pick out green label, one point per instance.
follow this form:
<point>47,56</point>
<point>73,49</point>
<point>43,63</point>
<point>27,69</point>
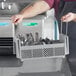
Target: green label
<point>29,24</point>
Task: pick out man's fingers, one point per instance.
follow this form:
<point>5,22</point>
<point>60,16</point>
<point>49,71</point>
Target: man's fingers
<point>63,18</point>
<point>66,18</point>
<point>14,19</point>
<point>19,20</point>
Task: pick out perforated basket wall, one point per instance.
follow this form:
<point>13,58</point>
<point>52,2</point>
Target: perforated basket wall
<point>39,51</point>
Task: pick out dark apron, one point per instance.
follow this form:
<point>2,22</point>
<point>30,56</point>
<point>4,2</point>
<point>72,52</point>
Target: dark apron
<point>64,9</point>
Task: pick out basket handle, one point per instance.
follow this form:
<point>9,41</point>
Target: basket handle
<point>66,28</point>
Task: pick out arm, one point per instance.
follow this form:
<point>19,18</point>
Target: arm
<point>35,9</point>
<point>31,11</point>
<point>69,17</point>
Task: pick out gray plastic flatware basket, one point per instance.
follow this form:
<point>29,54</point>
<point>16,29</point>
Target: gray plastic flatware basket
<point>58,49</point>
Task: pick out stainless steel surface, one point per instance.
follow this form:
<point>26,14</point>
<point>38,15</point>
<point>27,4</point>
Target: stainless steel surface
<point>39,67</point>
<point>6,28</point>
<point>8,9</point>
<point>4,4</point>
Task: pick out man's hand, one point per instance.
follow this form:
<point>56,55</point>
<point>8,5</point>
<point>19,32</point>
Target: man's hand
<point>17,18</point>
<point>69,17</point>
